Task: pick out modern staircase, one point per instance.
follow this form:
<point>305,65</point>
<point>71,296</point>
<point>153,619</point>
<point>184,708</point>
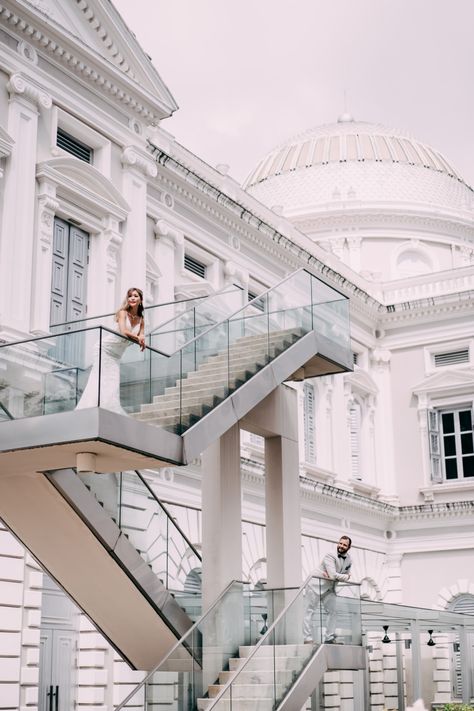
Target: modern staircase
<point>270,672</point>
<point>113,547</point>
<point>279,671</point>
<point>219,375</point>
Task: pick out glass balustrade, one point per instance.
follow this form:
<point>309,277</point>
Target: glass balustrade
<point>237,620</point>
<point>94,367</point>
<point>171,335</point>
<point>265,674</point>
<point>131,503</point>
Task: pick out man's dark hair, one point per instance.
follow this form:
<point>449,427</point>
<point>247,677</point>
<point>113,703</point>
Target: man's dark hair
<point>346,538</point>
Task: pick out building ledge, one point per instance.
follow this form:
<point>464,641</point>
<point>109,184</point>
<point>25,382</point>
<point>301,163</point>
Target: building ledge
<point>118,441</point>
<point>437,491</point>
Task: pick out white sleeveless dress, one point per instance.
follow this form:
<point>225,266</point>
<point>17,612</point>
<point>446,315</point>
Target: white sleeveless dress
<point>113,348</point>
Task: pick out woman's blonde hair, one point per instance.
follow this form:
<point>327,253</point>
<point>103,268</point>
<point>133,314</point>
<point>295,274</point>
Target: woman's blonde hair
<point>124,306</point>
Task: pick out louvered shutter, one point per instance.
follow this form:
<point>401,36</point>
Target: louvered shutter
<point>435,452</point>
<point>355,419</point>
<point>309,424</point>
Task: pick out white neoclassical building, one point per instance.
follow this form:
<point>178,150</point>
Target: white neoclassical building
<point>96,196</point>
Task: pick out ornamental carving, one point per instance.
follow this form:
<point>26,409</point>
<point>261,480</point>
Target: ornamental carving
<point>21,85</point>
<point>141,161</point>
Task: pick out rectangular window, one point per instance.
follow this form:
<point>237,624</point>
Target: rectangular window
<point>457,443</point>
<point>451,358</point>
<point>259,304</point>
<point>194,266</point>
<point>73,146</point>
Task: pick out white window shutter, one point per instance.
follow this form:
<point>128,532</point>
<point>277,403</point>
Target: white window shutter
<point>309,424</point>
<point>435,451</point>
<point>355,419</point>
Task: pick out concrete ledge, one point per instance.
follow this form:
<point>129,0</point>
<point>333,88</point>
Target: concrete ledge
<point>119,442</point>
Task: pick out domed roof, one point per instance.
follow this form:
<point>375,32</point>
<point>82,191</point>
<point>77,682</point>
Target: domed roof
<point>345,141</point>
<point>354,160</point>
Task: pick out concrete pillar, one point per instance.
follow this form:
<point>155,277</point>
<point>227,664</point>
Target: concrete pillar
<point>221,515</point>
<point>283,517</point>
<point>276,419</point>
<point>17,229</point>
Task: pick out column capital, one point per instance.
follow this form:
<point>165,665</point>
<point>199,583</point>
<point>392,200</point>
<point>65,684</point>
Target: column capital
<point>21,85</point>
<point>134,157</point>
<point>163,229</point>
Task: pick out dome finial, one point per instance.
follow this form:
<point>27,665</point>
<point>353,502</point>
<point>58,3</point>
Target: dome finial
<point>346,116</point>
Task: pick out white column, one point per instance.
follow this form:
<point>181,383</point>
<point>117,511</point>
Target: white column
<point>104,295</point>
<point>221,515</point>
<point>46,209</point>
<point>169,241</point>
<point>384,441</point>
<point>138,166</point>
<point>283,514</point>
<point>17,229</point>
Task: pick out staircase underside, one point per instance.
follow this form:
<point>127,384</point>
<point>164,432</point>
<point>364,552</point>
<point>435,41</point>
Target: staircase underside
<point>94,563</point>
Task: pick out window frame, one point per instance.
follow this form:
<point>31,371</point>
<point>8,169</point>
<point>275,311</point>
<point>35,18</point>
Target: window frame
<point>437,443</point>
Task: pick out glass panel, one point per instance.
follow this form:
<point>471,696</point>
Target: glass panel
<point>465,420</point>
<point>315,613</point>
<point>139,514</point>
<point>466,443</point>
<point>448,422</point>
<point>183,327</point>
<point>468,466</point>
<point>451,468</point>
<point>197,666</point>
<point>449,446</point>
<point>97,366</point>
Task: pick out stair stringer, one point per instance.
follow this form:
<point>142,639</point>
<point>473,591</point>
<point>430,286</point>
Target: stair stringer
<point>326,658</point>
<point>117,544</point>
<point>304,353</point>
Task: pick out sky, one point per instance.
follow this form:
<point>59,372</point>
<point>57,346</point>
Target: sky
<point>249,74</point>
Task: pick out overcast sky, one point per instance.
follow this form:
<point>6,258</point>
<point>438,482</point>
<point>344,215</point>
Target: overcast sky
<point>247,74</point>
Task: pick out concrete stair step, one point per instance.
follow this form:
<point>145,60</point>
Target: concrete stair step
<point>237,705</point>
<point>268,664</point>
<point>277,650</point>
<point>266,676</point>
<point>255,691</point>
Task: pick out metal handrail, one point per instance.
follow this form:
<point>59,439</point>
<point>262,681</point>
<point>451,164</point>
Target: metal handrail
<point>178,644</point>
<point>166,512</point>
<point>270,631</point>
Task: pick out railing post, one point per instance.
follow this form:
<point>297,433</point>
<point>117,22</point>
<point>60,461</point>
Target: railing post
<point>464,655</point>
<point>100,366</point>
<point>400,680</point>
<point>416,660</point>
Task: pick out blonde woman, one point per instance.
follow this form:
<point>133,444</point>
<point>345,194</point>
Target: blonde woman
<point>131,325</point>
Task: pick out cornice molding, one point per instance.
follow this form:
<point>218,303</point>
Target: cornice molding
<point>66,56</point>
<point>23,86</point>
<point>395,217</point>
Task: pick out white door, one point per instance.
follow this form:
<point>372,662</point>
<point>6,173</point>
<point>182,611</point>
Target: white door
<point>57,670</point>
